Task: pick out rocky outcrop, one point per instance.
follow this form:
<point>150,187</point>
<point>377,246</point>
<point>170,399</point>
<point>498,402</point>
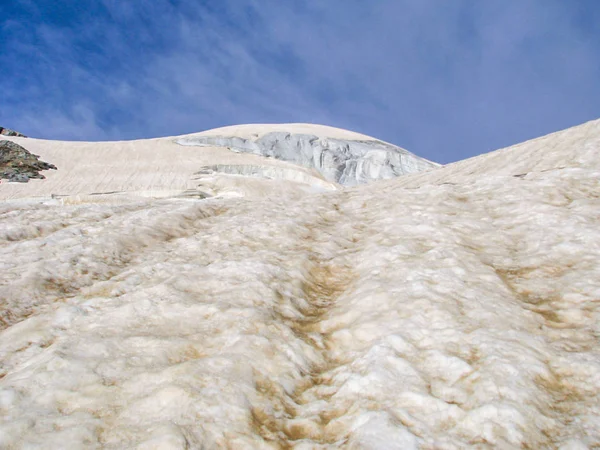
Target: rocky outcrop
<point>347,162</point>
<point>18,164</point>
<point>9,132</point>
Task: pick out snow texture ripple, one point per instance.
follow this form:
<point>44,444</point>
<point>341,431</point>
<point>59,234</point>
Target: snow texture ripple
<point>452,309</point>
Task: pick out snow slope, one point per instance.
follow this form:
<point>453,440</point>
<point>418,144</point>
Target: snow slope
<point>177,167</point>
<point>450,309</point>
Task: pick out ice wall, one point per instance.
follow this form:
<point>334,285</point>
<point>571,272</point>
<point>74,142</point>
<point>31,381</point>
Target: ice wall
<point>344,161</point>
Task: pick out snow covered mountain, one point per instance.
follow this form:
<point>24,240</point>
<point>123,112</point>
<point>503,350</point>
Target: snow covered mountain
<point>340,156</point>
<point>246,160</point>
<point>159,295</point>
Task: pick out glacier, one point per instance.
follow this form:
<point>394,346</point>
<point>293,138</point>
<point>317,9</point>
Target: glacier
<point>166,296</point>
<point>345,161</point>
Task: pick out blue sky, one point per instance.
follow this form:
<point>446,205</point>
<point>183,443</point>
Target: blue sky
<point>446,79</point>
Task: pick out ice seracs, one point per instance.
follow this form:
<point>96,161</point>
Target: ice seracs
<point>348,158</point>
<point>450,309</point>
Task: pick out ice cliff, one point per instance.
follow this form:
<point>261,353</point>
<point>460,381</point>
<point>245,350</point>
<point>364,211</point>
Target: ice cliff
<point>345,161</point>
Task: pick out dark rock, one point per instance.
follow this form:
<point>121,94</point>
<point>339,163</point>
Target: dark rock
<point>9,132</point>
<point>17,164</point>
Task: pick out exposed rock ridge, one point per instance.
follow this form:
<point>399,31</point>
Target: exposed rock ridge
<point>9,132</point>
<point>347,162</point>
<point>19,165</point>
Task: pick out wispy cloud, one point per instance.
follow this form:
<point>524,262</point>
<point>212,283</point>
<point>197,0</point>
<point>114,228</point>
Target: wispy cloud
<point>446,80</point>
